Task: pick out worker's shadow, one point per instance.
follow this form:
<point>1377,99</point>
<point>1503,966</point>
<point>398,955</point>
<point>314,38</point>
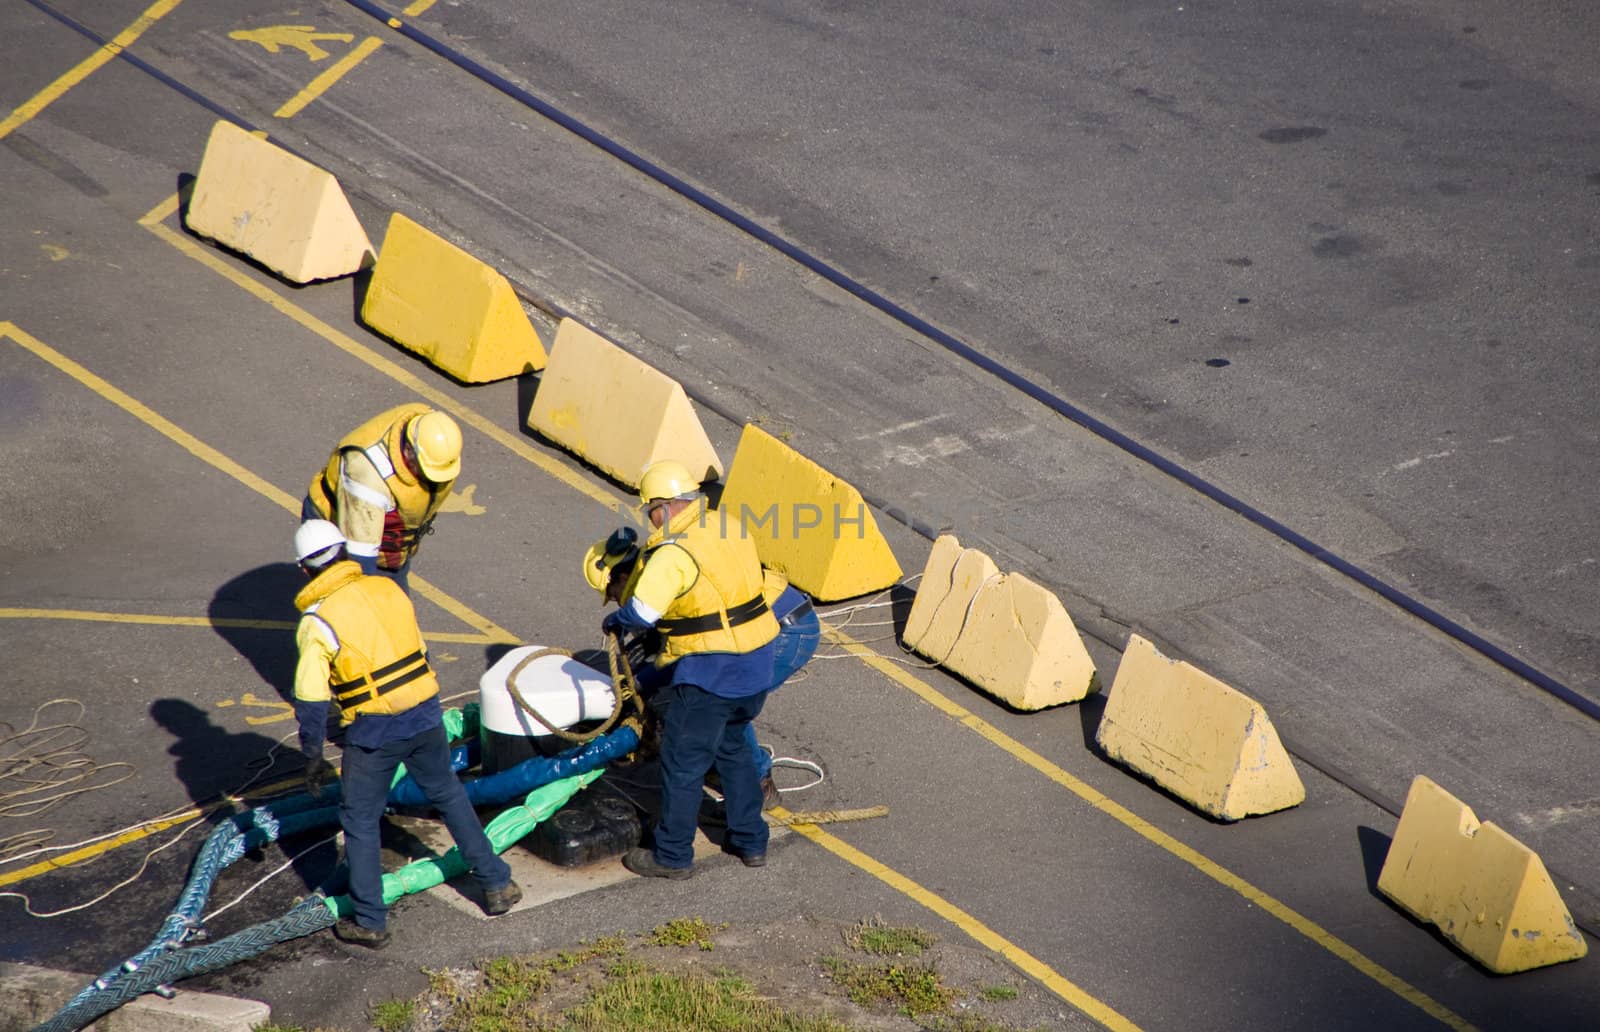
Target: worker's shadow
<point>254,612</point>
<point>211,760</point>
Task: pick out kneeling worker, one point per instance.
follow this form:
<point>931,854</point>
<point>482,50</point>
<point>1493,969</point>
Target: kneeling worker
<point>360,649</point>
<point>700,587</point>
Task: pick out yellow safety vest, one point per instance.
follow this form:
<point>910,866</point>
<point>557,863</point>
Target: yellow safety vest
<point>380,665</point>
<point>723,610</point>
<point>416,502</point>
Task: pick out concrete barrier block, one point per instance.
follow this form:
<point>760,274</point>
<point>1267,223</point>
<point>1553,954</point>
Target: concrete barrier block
<point>614,411</point>
<point>1003,632</point>
<point>258,199</point>
<point>807,523</point>
<point>1485,891</point>
<point>1199,739</point>
<point>30,996</point>
<point>460,314</point>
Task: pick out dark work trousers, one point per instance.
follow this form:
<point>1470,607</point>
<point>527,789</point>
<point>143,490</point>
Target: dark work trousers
<point>698,731</point>
<point>365,777</point>
<point>798,635</point>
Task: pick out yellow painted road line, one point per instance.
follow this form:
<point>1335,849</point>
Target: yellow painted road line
<point>1299,922</point>
<point>95,849</point>
<point>211,456</point>
<point>45,97</point>
<point>318,86</point>
<point>979,931</point>
<point>418,7</point>
<point>93,616</point>
<point>437,398</point>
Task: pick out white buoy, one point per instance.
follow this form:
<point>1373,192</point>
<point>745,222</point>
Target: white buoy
<point>560,689</point>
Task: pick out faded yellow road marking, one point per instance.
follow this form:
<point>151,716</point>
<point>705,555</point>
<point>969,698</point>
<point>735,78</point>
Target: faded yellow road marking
<point>985,935</point>
<point>83,69</point>
<point>321,84</point>
<point>94,616</point>
<point>211,456</point>
<point>274,38</point>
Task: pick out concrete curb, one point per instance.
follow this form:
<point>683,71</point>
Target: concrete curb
<point>31,995</point>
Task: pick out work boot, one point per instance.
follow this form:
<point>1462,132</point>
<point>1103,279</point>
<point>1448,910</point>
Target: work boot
<point>642,862</point>
<point>360,935</point>
<point>498,901</point>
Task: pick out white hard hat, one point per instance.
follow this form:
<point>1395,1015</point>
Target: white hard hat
<point>317,542</point>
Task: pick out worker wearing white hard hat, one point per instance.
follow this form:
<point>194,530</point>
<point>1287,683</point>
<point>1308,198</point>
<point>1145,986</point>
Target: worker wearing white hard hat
<point>385,482</point>
<point>361,655</point>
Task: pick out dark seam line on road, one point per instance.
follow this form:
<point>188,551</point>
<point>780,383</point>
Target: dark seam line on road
<point>1013,379</point>
<point>1588,918</point>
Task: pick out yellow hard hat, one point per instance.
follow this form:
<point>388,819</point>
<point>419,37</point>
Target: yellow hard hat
<point>603,556</point>
<point>437,441</point>
<point>667,479</point>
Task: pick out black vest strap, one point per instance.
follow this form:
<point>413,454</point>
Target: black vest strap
<point>742,613</point>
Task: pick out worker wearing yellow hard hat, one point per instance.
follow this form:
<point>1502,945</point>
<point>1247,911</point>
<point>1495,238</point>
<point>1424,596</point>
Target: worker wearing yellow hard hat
<point>699,585</point>
<point>384,483</point>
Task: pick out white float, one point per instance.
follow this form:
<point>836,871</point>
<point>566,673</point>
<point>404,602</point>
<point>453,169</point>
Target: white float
<point>560,689</point>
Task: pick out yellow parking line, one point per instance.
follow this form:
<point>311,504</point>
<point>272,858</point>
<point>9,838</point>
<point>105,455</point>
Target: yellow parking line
<point>979,931</point>
<point>318,86</point>
<point>93,616</point>
<point>211,456</point>
<point>45,97</point>
<point>1289,916</point>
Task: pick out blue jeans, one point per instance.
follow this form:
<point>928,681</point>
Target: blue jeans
<point>700,730</point>
<point>797,643</point>
<point>365,778</point>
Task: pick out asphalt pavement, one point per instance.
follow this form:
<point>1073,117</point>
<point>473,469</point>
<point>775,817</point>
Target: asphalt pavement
<point>163,403</point>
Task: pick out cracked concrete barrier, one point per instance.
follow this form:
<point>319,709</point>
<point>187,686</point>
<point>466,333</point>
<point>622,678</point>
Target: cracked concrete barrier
<point>1199,739</point>
<point>460,314</point>
<point>258,199</point>
<point>1003,632</point>
<point>1485,891</point>
<point>30,996</point>
<point>614,411</point>
<point>807,523</point>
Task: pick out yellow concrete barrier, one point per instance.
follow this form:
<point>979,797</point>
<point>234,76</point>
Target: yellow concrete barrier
<point>1003,632</point>
<point>286,213</point>
<point>1199,739</point>
<point>1485,891</point>
<point>807,523</point>
<point>614,411</point>
<point>434,299</point>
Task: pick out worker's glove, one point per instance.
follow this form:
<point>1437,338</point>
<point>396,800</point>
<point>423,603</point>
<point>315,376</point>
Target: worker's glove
<point>613,623</point>
<point>318,772</point>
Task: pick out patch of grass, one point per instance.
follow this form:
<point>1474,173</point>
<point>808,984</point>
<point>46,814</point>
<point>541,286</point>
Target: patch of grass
<point>873,936</point>
<point>911,989</point>
<point>993,993</point>
<point>394,1015</point>
<point>684,931</point>
<point>655,1001</point>
<point>507,1000</point>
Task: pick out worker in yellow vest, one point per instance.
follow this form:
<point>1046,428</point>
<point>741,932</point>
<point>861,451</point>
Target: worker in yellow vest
<point>360,650</point>
<point>699,585</point>
<point>384,483</point>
